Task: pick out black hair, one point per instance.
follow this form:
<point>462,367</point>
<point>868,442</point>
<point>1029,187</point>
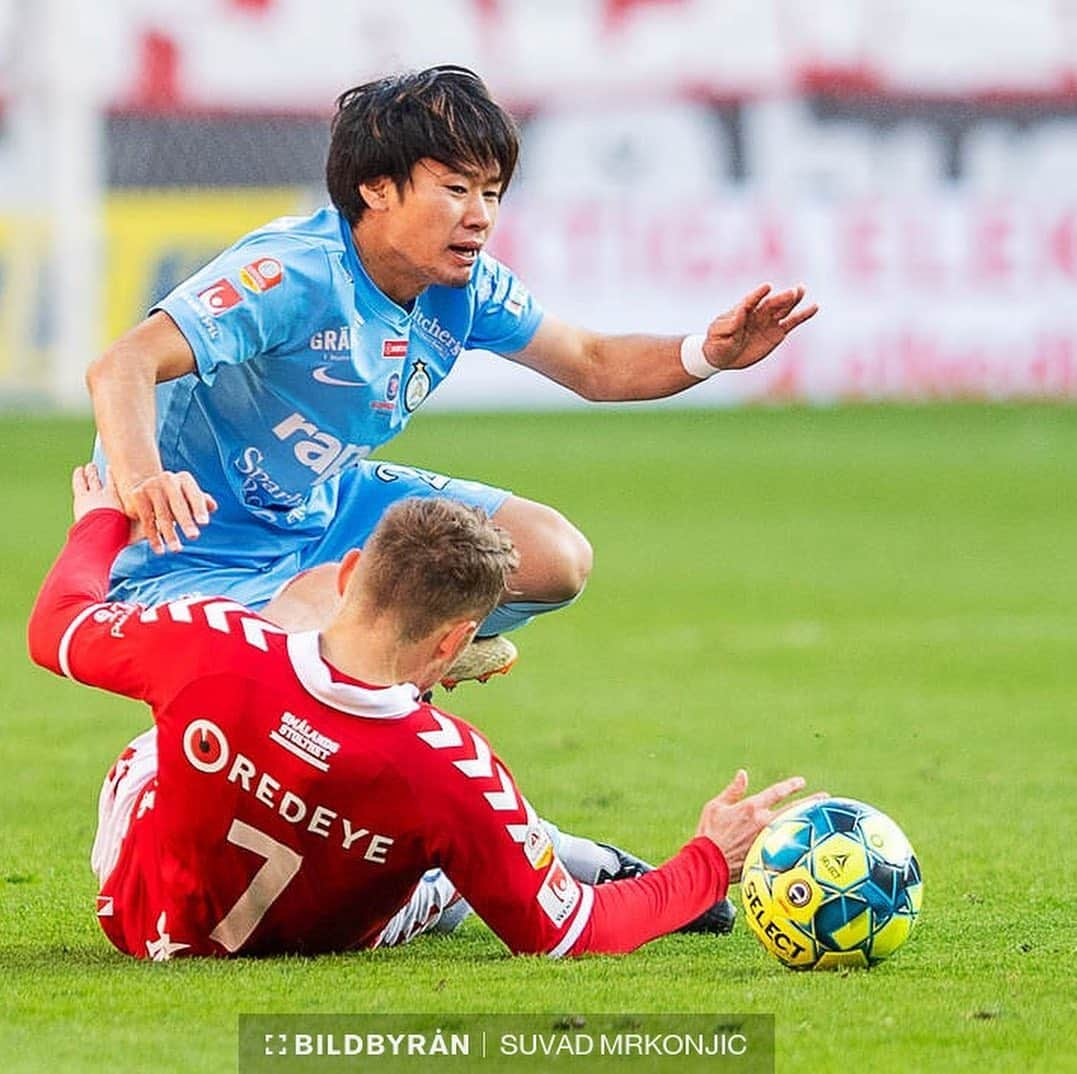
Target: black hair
<point>384,128</point>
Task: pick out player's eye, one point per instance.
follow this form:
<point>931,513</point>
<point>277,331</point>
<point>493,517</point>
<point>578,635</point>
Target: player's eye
<point>457,189</point>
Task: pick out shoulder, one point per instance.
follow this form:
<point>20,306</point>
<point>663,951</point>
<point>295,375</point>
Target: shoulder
<point>440,730</point>
<point>310,243</point>
<point>446,740</point>
<point>319,230</point>
<point>469,764</point>
<point>220,623</point>
<point>499,295</point>
<point>492,280</point>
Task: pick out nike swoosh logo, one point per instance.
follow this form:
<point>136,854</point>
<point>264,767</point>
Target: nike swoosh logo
<point>323,376</point>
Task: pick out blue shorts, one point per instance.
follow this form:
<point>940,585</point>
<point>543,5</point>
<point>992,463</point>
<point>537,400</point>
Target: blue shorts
<point>240,557</point>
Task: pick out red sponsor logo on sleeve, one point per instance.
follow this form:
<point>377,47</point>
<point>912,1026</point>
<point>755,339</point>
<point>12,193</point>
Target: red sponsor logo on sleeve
<point>559,894</point>
<point>394,348</point>
<point>219,297</point>
<point>262,274</point>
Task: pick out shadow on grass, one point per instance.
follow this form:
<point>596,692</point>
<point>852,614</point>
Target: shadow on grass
<point>52,959</point>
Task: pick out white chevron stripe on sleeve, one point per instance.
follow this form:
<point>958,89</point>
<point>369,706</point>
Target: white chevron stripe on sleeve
<point>447,737</point>
<point>255,631</point>
<point>505,798</point>
<point>480,765</point>
<point>217,614</point>
<point>180,610</point>
<point>518,832</point>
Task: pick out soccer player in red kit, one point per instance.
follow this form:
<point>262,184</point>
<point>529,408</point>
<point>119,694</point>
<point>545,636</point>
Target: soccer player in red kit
<point>296,788</point>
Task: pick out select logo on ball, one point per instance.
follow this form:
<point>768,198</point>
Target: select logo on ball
<point>784,943</point>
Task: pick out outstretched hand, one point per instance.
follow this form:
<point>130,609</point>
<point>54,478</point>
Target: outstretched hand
<point>754,327</point>
<point>732,821</point>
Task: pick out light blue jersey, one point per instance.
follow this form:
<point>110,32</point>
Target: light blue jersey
<point>304,368</point>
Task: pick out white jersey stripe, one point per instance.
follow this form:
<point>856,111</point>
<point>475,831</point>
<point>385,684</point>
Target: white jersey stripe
<point>255,631</point>
<point>62,657</point>
<point>445,738</point>
<point>180,610</point>
<point>505,798</point>
<point>480,765</point>
<point>519,831</point>
<point>216,614</point>
<point>579,922</point>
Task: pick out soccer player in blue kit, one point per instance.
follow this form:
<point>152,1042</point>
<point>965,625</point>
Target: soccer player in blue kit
<point>259,387</point>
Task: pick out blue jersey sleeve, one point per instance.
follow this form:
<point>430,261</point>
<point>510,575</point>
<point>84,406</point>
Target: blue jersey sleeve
<point>259,297</point>
<point>506,315</point>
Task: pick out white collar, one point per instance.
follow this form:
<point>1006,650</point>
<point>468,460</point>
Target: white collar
<point>377,702</point>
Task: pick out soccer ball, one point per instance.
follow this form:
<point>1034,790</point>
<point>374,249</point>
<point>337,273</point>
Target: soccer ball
<point>831,884</point>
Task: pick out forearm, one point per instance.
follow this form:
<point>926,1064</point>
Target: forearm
<point>125,407</point>
<point>78,580</point>
<point>624,368</point>
<point>615,368</point>
<point>629,913</point>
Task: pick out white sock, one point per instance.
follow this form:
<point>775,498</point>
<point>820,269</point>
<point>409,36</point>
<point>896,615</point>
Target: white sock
<point>583,858</point>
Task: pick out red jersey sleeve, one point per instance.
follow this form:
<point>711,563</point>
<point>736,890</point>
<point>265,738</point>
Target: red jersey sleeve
<point>494,848</point>
<point>145,653</point>
<point>631,912</point>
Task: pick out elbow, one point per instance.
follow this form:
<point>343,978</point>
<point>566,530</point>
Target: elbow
<point>99,371</point>
<point>590,391</point>
<point>121,367</point>
<point>595,384</point>
<point>599,390</point>
<point>96,371</point>
<point>39,645</point>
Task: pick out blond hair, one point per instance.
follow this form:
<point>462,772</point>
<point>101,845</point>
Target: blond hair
<point>432,561</point>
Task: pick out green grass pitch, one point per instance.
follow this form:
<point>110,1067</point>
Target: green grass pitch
<point>880,599</point>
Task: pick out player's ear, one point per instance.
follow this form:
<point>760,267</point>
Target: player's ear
<point>456,639</point>
<point>375,194</point>
<point>347,569</point>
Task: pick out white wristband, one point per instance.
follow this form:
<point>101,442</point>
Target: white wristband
<point>695,364</point>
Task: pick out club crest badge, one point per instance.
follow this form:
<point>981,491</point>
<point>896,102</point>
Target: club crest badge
<point>262,274</point>
<point>417,387</point>
<point>538,846</point>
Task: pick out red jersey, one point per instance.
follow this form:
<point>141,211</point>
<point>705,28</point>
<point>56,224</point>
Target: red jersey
<point>295,808</point>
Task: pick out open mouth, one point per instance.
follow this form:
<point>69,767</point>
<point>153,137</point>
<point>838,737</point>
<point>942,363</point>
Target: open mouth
<point>467,252</point>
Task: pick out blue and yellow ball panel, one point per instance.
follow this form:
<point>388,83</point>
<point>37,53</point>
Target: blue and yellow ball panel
<point>831,885</point>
